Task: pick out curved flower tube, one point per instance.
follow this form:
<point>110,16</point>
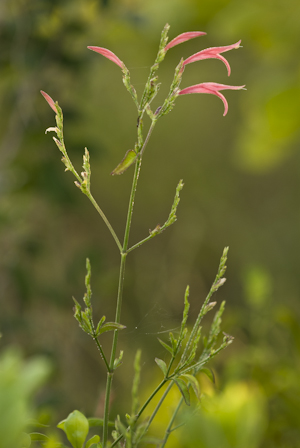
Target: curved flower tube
<point>213,88</point>
<point>109,55</point>
<point>214,53</point>
<point>183,38</point>
<point>49,100</point>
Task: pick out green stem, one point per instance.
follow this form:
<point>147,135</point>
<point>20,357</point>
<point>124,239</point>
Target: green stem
<point>135,246</point>
<point>106,407</point>
<point>101,352</point>
<point>131,202</point>
<point>148,136</point>
<point>124,252</point>
<point>161,384</point>
<point>168,430</point>
<point>119,300</point>
<point>157,409</point>
<point>95,204</point>
<point>113,350</point>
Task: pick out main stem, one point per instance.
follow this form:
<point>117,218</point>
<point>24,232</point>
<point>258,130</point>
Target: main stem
<point>119,300</point>
<point>124,253</point>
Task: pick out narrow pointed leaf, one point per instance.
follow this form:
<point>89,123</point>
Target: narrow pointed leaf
<point>182,386</point>
<point>166,346</point>
<point>100,324</point>
<point>209,373</point>
<point>35,423</point>
<point>118,361</point>
<point>162,365</point>
<point>194,383</point>
<point>121,428</point>
<point>139,432</point>
<point>109,326</point>
<point>129,159</point>
<point>38,437</point>
<point>173,340</point>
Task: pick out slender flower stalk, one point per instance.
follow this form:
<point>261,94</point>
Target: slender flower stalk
<point>213,88</point>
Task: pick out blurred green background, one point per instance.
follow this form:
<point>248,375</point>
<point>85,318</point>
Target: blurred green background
<point>241,175</point>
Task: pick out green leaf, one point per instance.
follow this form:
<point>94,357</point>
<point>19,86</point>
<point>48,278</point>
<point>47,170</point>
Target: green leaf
<point>100,324</point>
<point>162,365</point>
<point>85,317</point>
<point>121,428</point>
<point>184,390</point>
<point>136,382</point>
<point>61,425</point>
<point>139,432</point>
<point>166,346</point>
<point>38,437</point>
<point>209,373</point>
<point>93,440</point>
<point>76,427</point>
<point>129,159</point>
<point>194,383</point>
<point>118,361</point>
<point>173,341</point>
<point>109,326</point>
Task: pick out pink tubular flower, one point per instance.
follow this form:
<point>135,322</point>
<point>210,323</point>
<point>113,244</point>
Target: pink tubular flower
<point>49,100</point>
<point>108,54</point>
<point>183,37</point>
<point>213,52</point>
<point>211,87</point>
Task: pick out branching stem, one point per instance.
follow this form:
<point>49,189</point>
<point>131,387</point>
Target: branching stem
<point>99,210</point>
<point>169,428</point>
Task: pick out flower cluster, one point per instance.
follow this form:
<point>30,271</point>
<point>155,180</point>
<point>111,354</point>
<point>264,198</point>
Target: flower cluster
<point>208,53</point>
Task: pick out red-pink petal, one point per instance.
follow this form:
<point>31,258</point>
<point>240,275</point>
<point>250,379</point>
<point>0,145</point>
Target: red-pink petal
<point>212,53</point>
<point>183,37</point>
<point>49,100</point>
<point>108,54</point>
<point>213,88</point>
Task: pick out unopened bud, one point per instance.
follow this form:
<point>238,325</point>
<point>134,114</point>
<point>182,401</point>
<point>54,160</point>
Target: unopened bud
<point>219,283</point>
<point>58,143</point>
<point>210,306</point>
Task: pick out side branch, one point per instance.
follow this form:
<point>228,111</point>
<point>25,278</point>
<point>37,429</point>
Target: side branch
<point>171,219</point>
